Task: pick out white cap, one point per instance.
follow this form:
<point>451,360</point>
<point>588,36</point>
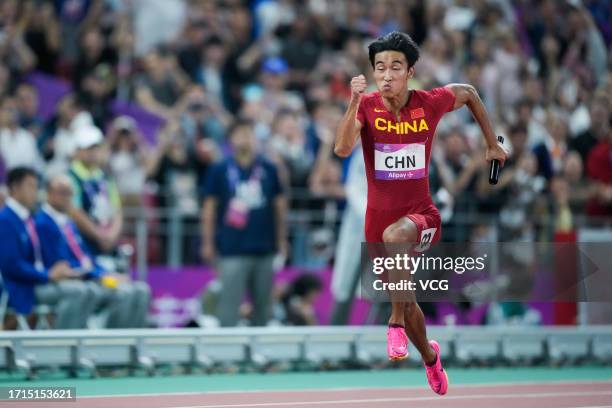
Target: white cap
<point>124,122</point>
<point>88,136</point>
<point>81,120</point>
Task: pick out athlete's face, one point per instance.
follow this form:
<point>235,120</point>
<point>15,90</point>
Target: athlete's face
<point>391,72</point>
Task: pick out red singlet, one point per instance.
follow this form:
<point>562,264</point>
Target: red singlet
<point>396,154</point>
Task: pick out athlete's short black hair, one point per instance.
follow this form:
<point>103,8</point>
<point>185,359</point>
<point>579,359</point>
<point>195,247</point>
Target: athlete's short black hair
<point>17,176</point>
<point>395,41</point>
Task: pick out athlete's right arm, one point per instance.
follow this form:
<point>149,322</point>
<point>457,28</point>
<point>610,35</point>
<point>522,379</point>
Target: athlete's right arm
<point>350,126</point>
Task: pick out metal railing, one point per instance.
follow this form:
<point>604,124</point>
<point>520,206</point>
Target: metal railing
<point>177,230</point>
<point>149,349</point>
<point>179,234</point>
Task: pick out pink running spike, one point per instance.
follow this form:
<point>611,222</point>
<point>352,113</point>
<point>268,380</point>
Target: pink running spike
<point>397,343</point>
<point>436,375</point>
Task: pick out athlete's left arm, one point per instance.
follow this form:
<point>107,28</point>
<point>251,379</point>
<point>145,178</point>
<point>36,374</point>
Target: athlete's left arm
<point>466,94</point>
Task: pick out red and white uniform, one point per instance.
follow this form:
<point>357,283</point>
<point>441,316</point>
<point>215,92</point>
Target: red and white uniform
<point>396,151</point>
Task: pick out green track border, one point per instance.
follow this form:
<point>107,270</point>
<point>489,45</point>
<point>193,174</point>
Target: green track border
<point>409,378</point>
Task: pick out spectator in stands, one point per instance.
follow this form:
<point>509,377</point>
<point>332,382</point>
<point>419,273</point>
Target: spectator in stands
<point>586,54</point>
<point>14,51</point>
<point>174,171</point>
<point>561,210</point>
<point>27,103</point>
<point>298,302</point>
<point>202,116</point>
<point>288,146</point>
<point>97,89</point>
<point>209,73</point>
<point>157,22</point>
<point>244,225</point>
<point>14,138</point>
<point>126,302</point>
<point>493,197</point>
<point>190,52</point>
<point>458,168</point>
<point>128,160</point>
<point>240,64</point>
<point>203,123</point>
<point>97,207</point>
<point>527,115</point>
<point>552,151</point>
<point>580,188</point>
<point>162,83</point>
<point>43,37</point>
<point>599,169</point>
<point>5,80</point>
<point>124,42</point>
<point>58,141</point>
<point>599,115</point>
<point>326,175</point>
<point>25,276</point>
<point>301,49</point>
<point>524,185</point>
<point>438,64</point>
<point>517,135</point>
<point>274,80</point>
<point>93,52</point>
<point>74,15</point>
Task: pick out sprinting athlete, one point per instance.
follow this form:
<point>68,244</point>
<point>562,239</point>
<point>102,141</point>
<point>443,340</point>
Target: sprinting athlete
<point>397,127</point>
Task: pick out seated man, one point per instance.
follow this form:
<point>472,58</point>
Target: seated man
<point>127,302</point>
<point>96,206</point>
<point>26,278</point>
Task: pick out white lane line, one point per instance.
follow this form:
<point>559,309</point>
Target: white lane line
<point>408,399</point>
<point>593,406</point>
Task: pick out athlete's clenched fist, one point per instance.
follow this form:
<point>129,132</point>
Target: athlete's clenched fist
<point>358,86</point>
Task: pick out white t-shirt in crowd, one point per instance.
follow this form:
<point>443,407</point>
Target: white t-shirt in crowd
<point>18,148</point>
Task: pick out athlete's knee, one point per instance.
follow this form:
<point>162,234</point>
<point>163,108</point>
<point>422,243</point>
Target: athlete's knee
<point>392,234</point>
<point>399,233</point>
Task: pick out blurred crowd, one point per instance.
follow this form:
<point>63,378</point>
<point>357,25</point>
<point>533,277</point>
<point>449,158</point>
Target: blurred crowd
<point>282,67</point>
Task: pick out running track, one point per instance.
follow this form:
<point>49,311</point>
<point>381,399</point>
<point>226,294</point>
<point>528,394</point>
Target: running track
<point>594,394</point>
<point>473,388</point>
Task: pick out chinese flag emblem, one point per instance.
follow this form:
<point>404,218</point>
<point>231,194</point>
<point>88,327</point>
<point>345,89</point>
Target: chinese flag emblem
<point>417,113</point>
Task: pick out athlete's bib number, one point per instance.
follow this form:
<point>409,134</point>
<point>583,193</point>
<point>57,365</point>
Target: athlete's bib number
<point>427,236</point>
<point>399,161</point>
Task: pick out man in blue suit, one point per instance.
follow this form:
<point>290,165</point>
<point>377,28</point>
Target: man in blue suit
<point>127,302</point>
<point>26,278</point>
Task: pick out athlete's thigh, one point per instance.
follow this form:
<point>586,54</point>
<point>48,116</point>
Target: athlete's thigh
<point>375,225</point>
<point>377,221</point>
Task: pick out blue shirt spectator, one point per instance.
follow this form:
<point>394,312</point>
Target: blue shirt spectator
<point>244,221</point>
<point>63,242</point>
<point>247,192</point>
<point>126,301</point>
<point>21,260</point>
